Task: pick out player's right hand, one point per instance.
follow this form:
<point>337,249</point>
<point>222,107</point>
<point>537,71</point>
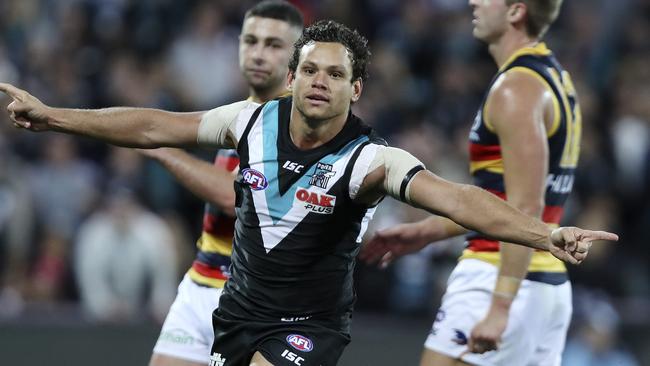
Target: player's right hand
<point>26,111</point>
<point>387,245</point>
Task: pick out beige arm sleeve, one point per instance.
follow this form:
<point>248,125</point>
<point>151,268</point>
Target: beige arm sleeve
<point>218,126</point>
<point>400,166</point>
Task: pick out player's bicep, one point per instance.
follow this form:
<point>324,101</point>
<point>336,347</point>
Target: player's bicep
<point>221,126</point>
<point>390,173</point>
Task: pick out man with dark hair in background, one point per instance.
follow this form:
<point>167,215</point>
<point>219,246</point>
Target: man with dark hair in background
<point>311,174</point>
<point>524,145</point>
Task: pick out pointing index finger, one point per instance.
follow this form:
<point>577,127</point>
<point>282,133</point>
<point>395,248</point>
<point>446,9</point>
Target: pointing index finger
<point>10,90</point>
<point>601,235</point>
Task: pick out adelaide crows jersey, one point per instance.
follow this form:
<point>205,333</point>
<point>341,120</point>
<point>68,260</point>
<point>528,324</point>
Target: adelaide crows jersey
<point>486,165</point>
<point>211,265</point>
<point>297,230</point>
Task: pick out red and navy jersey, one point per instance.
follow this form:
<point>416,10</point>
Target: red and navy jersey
<point>212,264</point>
<point>486,164</point>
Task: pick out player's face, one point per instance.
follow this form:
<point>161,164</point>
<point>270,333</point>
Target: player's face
<point>322,86</point>
<point>490,19</point>
<point>265,47</point>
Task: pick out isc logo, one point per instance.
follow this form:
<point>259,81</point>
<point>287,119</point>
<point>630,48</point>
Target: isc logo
<point>300,343</point>
<point>256,180</point>
<point>316,202</point>
<point>297,360</point>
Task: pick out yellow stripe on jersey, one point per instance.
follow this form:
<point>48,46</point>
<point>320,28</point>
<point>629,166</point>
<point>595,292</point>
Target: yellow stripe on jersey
<point>211,244</point>
<point>539,262</point>
<point>493,166</point>
<point>538,50</point>
<point>205,281</point>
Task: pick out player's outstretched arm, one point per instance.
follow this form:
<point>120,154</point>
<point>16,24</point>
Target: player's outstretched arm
<point>481,211</point>
<point>211,183</point>
<point>130,127</point>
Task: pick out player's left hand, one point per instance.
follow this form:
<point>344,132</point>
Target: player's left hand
<point>487,333</point>
<point>571,244</point>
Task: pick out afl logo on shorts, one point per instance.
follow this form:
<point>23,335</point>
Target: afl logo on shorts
<point>256,180</point>
<point>300,343</point>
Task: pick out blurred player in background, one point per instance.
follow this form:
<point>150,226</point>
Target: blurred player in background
<point>524,145</point>
<point>265,46</point>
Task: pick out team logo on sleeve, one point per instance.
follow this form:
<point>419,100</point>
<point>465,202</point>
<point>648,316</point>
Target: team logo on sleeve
<point>300,343</point>
<point>322,175</point>
<point>256,180</point>
<point>319,203</point>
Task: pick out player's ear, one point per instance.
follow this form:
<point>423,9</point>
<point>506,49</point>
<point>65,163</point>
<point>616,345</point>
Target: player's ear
<point>290,79</point>
<point>517,12</point>
<point>357,87</point>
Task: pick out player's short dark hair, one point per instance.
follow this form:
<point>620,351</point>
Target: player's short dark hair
<point>541,14</point>
<point>331,31</point>
<point>277,9</point>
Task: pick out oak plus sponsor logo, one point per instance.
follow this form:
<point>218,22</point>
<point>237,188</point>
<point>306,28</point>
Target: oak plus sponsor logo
<point>256,180</point>
<point>315,202</point>
<point>301,343</point>
<point>177,336</point>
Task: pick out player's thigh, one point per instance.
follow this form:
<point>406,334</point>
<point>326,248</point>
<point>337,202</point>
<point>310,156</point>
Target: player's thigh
<point>165,360</point>
<point>259,360</point>
<point>431,358</point>
<point>553,336</point>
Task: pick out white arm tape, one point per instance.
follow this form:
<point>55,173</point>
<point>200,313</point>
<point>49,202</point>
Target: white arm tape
<point>399,166</point>
<point>219,123</point>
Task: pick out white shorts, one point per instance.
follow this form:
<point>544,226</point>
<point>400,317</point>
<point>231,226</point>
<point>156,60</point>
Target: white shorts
<point>187,331</point>
<point>537,325</point>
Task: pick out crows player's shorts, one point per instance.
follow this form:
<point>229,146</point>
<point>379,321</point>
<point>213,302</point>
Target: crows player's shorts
<point>187,331</point>
<point>537,323</point>
<point>289,343</point>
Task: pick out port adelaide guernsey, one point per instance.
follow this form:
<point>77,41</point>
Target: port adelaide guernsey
<point>297,230</point>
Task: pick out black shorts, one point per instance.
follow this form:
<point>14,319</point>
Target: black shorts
<point>300,343</point>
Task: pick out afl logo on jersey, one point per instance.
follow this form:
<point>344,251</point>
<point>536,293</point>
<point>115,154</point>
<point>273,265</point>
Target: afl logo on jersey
<point>300,343</point>
<point>256,180</point>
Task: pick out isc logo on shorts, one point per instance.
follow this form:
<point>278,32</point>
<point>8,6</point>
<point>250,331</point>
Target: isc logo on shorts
<point>300,343</point>
<point>255,179</point>
<point>319,203</point>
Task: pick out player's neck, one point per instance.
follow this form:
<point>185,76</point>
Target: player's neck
<point>508,44</point>
<point>309,134</point>
<point>263,96</point>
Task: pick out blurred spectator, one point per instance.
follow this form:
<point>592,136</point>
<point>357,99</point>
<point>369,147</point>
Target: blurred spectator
<point>16,222</point>
<point>125,262</point>
<point>203,60</point>
<point>63,186</point>
<point>595,340</point>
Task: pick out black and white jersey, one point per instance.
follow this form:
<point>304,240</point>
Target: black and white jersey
<point>297,230</point>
